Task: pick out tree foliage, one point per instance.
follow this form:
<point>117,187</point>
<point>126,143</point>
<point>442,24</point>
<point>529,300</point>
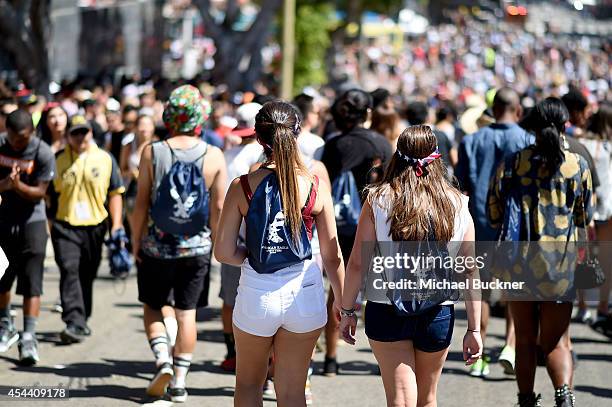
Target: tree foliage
<point>25,32</point>
<point>312,36</point>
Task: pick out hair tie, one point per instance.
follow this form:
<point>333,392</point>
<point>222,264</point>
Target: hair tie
<point>297,128</point>
<point>419,163</point>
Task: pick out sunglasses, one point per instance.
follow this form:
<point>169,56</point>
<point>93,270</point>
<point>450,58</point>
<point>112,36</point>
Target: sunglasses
<point>79,133</point>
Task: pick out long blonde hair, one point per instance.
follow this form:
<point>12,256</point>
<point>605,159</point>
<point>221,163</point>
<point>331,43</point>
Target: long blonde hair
<point>419,204</point>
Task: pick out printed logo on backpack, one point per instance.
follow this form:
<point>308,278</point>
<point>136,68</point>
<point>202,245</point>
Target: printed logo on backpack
<point>268,238</point>
<point>182,203</point>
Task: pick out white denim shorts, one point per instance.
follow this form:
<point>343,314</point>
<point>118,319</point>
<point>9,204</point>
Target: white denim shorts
<point>292,298</point>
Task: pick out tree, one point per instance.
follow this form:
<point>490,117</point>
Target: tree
<point>233,45</point>
<point>312,36</point>
<point>25,32</point>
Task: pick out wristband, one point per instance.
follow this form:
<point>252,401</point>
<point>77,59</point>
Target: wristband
<point>347,313</point>
<point>473,330</point>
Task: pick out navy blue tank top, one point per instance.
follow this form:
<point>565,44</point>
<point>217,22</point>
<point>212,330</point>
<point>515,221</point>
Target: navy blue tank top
<point>268,238</point>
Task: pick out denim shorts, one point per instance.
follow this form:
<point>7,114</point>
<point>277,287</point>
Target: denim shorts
<point>430,332</point>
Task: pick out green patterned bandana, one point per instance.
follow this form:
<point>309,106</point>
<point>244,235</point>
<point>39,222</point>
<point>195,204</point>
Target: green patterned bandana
<point>186,110</point>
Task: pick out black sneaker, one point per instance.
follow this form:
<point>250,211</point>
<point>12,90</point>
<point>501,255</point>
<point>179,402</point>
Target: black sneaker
<point>177,394</point>
<point>28,350</point>
<point>330,367</point>
<point>8,334</point>
<point>86,330</point>
<point>603,324</point>
<point>72,334</point>
<point>564,397</point>
<point>160,381</point>
<point>529,400</point>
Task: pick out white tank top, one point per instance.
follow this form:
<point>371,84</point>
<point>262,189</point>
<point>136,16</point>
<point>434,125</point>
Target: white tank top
<point>381,209</point>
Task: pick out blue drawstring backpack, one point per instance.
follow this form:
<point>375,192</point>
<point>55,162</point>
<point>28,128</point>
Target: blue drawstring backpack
<point>347,203</point>
<point>181,206</point>
<point>419,301</point>
<point>268,238</point>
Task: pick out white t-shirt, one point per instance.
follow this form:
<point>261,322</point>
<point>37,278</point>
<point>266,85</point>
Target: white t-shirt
<point>240,159</point>
<point>310,145</point>
<point>463,219</point>
<point>601,151</point>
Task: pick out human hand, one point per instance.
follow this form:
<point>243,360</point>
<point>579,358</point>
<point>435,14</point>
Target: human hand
<point>348,325</point>
<point>472,347</point>
<point>14,177</point>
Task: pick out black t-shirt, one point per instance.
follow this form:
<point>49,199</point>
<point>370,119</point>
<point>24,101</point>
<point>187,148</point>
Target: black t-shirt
<point>576,147</point>
<point>357,151</point>
<point>37,164</point>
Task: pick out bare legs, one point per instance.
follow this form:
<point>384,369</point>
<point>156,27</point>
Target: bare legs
<point>552,321</point>
<point>410,377</point>
<point>292,354</point>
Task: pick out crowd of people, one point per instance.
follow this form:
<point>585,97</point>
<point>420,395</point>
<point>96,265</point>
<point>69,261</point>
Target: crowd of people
<point>455,59</point>
<point>286,195</point>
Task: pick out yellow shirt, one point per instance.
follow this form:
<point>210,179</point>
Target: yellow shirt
<point>83,184</point>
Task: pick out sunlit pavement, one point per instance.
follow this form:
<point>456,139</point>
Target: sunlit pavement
<point>113,366</point>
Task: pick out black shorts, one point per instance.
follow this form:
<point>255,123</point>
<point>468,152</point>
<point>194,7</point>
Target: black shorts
<point>431,331</point>
<point>25,247</point>
<point>181,283</point>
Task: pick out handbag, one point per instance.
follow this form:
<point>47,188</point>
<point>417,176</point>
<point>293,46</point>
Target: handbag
<point>589,273</point>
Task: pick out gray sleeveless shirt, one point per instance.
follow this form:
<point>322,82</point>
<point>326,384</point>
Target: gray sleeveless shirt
<point>163,245</point>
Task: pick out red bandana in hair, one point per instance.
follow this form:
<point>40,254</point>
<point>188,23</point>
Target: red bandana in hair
<point>420,163</point>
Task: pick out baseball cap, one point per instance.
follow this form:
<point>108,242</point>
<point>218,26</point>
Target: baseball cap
<point>26,97</point>
<point>245,115</point>
<point>78,122</point>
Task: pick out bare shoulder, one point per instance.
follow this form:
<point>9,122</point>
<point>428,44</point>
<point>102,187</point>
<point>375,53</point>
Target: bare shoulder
<point>147,152</point>
<point>215,155</point>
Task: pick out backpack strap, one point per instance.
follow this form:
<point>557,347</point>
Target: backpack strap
<point>312,197</point>
<point>171,151</point>
<point>204,153</point>
<point>246,188</point>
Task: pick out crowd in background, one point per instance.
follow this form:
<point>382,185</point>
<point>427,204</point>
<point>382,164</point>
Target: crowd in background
<point>466,81</point>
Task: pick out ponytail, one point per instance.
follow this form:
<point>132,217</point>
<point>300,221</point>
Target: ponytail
<point>287,159</point>
<point>547,120</point>
<point>549,146</point>
<point>277,125</point>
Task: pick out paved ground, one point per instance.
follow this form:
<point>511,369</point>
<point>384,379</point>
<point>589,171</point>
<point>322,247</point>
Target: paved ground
<point>112,368</point>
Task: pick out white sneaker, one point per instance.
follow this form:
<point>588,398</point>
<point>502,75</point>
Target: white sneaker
<point>160,381</point>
